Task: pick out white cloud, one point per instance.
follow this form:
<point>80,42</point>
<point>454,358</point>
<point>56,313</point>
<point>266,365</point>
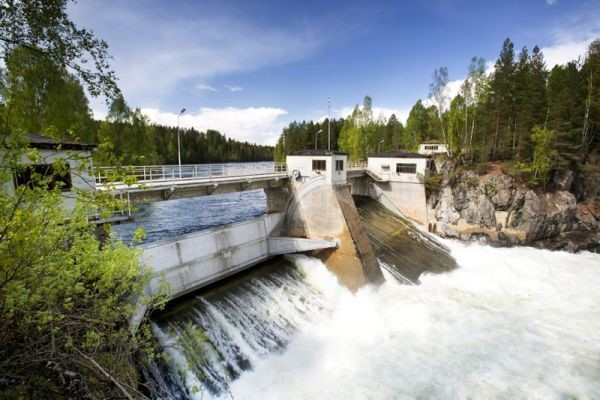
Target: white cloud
<point>233,88</point>
<point>98,115</point>
<point>573,36</point>
<point>206,87</point>
<point>550,2</point>
<point>260,125</point>
<point>151,62</point>
<point>563,52</point>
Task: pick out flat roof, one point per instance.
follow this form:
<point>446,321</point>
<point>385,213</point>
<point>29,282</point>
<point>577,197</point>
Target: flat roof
<point>398,154</point>
<point>43,142</point>
<point>317,152</point>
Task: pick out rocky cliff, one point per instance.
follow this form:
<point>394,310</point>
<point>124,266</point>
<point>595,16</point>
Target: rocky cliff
<point>497,208</point>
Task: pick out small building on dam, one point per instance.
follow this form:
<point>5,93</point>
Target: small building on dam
<point>309,208</point>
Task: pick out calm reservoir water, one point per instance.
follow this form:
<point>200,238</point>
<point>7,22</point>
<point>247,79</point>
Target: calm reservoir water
<point>482,322</point>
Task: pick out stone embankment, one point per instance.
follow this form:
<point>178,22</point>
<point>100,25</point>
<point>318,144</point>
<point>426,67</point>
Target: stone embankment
<point>501,210</point>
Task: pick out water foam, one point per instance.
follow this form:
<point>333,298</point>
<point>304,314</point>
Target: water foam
<point>509,323</point>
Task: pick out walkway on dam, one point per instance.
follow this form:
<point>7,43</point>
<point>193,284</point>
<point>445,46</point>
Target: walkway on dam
<point>148,183</point>
<point>152,176</point>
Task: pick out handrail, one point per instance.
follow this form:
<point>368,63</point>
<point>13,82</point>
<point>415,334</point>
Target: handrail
<point>357,165</point>
<point>144,174</point>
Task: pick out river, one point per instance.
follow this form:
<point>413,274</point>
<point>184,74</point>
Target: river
<point>482,322</point>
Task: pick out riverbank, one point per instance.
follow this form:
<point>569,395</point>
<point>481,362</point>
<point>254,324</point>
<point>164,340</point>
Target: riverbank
<point>498,208</point>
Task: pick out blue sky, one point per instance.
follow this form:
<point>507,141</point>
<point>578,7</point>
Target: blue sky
<point>248,68</point>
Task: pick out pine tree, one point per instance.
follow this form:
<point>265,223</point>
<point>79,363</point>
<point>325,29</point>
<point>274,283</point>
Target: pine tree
<point>503,95</point>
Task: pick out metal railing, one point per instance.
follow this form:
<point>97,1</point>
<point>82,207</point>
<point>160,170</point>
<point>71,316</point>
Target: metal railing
<point>357,165</point>
<point>145,174</point>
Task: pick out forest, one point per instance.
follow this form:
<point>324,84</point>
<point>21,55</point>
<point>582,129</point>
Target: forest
<point>520,111</point>
<point>39,96</point>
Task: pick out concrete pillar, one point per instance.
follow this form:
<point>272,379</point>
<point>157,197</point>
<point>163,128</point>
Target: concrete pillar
<point>277,198</point>
<point>319,210</point>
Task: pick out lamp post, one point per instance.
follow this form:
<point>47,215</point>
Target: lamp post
<point>179,141</point>
<point>379,146</point>
<point>317,134</point>
<point>329,123</point>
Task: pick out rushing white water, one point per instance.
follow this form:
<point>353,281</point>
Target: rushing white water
<point>510,323</point>
<point>515,323</point>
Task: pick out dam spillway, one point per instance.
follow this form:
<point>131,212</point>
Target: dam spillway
<point>492,327</point>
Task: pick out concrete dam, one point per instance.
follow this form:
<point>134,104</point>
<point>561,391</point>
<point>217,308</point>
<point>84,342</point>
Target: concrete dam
<point>309,208</point>
<point>288,328</point>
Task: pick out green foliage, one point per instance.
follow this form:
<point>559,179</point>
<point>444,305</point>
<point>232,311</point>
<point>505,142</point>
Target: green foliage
<point>41,97</point>
<point>359,136</point>
<point>64,297</point>
<point>418,126</point>
<point>432,182</point>
<point>537,171</point>
<point>543,154</point>
<point>362,134</point>
<point>489,188</point>
<point>44,27</point>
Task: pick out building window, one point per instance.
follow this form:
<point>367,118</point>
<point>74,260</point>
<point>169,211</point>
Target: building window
<point>406,168</point>
<point>44,175</point>
<point>319,165</point>
<point>339,165</point>
<point>430,147</point>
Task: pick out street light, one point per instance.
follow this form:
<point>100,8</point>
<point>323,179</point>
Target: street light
<point>329,124</point>
<point>316,134</point>
<point>179,141</point>
<point>379,146</point>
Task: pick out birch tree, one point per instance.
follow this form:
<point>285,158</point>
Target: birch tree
<point>438,93</point>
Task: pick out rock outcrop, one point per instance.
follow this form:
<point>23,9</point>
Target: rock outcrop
<point>505,212</point>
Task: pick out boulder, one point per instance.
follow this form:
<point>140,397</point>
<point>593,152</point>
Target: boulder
<point>486,208</point>
<point>499,190</point>
<point>445,230</point>
<point>511,214</point>
<point>445,211</point>
<point>562,179</point>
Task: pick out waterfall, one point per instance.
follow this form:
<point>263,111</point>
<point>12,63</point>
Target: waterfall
<point>508,323</point>
<point>214,337</point>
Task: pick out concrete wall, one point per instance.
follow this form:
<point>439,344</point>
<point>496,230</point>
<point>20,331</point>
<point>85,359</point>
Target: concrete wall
<point>359,185</point>
<point>192,261</point>
<point>377,164</point>
<point>408,198</point>
<point>303,164</point>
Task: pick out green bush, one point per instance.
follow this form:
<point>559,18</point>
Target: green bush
<point>65,299</point>
<point>432,182</point>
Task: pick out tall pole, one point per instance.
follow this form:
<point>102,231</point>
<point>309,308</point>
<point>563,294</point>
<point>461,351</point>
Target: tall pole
<point>317,134</point>
<point>329,124</point>
<point>179,141</point>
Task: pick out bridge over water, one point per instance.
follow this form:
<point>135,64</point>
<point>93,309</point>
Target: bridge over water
<point>309,208</point>
<point>150,183</point>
